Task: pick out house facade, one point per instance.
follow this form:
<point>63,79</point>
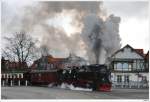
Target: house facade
<point>130,68</point>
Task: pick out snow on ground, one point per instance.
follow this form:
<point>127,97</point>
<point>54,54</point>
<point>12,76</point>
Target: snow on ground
<point>71,87</point>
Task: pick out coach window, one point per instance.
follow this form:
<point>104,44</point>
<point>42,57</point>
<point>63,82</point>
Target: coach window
<point>39,74</point>
<point>10,76</point>
<point>6,75</point>
<point>21,75</point>
<point>3,75</point>
<point>14,76</point>
<point>17,75</point>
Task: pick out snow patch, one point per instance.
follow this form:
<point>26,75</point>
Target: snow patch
<point>71,87</point>
<point>63,86</point>
<point>51,85</point>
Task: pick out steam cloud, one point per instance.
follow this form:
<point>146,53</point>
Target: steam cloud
<point>97,36</point>
<point>101,37</point>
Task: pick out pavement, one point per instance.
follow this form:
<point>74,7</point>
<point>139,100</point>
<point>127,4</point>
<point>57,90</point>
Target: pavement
<point>30,92</point>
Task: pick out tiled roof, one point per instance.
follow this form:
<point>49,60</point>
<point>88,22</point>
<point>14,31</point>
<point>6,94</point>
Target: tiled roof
<point>140,51</point>
<point>52,59</point>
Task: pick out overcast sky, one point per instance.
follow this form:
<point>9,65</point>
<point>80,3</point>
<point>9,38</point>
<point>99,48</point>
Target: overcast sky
<point>134,26</point>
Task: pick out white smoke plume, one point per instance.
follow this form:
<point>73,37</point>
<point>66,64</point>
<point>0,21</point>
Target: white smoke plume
<point>94,37</point>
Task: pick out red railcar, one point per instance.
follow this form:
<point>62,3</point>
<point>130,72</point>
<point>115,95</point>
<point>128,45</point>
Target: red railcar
<point>43,77</point>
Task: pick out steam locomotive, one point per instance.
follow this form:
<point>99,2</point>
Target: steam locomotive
<point>94,76</point>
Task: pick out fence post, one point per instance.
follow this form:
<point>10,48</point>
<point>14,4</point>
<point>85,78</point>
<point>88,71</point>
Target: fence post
<point>114,84</point>
<point>26,82</point>
<point>10,82</point>
<point>3,82</point>
<point>129,84</point>
<point>18,82</point>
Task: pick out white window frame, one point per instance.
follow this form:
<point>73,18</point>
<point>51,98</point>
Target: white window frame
<point>126,77</point>
<point>119,78</point>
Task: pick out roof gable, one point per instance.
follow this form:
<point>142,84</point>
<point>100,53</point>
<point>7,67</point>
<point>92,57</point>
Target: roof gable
<point>127,52</point>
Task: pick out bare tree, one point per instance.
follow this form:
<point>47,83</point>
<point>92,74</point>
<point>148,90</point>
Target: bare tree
<point>20,47</point>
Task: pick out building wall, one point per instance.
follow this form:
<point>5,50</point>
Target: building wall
<point>128,69</point>
<point>133,77</point>
<point>136,80</point>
